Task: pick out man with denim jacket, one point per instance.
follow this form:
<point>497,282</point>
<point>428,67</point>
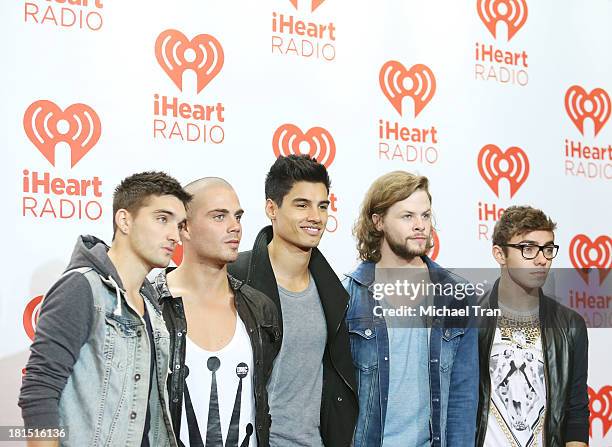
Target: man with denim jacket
<point>99,361</point>
<point>224,335</point>
<point>417,385</point>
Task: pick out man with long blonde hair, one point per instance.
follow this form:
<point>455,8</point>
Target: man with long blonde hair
<point>418,384</point>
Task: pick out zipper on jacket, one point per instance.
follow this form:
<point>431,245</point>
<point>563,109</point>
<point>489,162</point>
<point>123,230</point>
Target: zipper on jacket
<point>488,403</point>
<point>257,356</point>
<point>332,357</point>
<point>546,382</point>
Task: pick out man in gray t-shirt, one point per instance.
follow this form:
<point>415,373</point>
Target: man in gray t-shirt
<point>312,389</point>
<point>296,377</point>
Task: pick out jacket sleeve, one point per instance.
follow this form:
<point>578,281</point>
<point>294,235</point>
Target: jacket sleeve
<point>63,327</point>
<point>577,409</point>
<point>463,392</point>
<point>277,322</point>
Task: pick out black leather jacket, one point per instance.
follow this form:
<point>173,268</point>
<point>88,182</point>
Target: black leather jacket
<point>261,320</point>
<point>339,404</point>
<point>565,347</point>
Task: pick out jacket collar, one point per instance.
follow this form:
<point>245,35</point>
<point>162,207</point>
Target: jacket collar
<point>544,302</point>
<point>334,298</point>
<point>163,291</point>
<point>365,272</point>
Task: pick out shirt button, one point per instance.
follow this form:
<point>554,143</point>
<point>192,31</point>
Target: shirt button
<point>133,415</point>
<point>175,400</point>
<point>180,334</point>
<point>339,399</point>
<point>177,367</point>
<point>447,333</point>
<point>368,332</point>
<point>139,333</point>
<point>386,358</point>
<point>137,377</point>
<point>436,438</point>
<point>435,399</point>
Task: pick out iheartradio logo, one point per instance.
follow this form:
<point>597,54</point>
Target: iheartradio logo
<point>175,53</point>
<point>512,12</point>
<point>494,165</point>
<point>177,256</point>
<point>580,105</point>
<point>46,125</point>
<point>30,315</point>
<point>585,254</point>
<point>397,82</point>
<point>435,250</point>
<point>600,406</point>
<point>317,143</point>
<point>314,4</point>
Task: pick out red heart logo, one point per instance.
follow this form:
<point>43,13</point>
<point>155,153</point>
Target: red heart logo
<point>317,143</point>
<point>80,128</point>
<point>435,250</point>
<point>30,316</point>
<point>586,254</point>
<point>177,256</point>
<point>494,164</point>
<point>512,12</point>
<point>175,54</point>
<point>600,406</point>
<point>580,105</point>
<point>313,5</point>
<point>393,77</point>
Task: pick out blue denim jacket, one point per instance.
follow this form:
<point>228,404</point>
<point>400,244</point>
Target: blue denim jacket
<point>102,403</point>
<point>453,365</point>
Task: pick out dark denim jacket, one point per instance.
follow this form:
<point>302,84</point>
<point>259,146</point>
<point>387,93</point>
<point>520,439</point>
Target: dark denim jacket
<point>453,365</point>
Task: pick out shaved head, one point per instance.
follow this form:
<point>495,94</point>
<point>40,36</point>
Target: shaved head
<point>213,229</point>
<point>198,188</point>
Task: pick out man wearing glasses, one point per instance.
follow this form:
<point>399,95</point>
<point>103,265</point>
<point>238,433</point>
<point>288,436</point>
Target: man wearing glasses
<point>533,358</point>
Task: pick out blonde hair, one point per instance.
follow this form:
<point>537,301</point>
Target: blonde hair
<point>382,195</point>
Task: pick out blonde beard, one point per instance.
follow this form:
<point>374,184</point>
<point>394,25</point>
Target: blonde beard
<point>406,253</point>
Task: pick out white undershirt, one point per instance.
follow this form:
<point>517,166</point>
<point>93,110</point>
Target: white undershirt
<point>233,359</point>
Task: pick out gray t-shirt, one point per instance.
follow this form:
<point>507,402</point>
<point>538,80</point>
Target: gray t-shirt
<point>297,378</point>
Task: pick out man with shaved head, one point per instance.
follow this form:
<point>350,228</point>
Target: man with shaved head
<point>224,335</point>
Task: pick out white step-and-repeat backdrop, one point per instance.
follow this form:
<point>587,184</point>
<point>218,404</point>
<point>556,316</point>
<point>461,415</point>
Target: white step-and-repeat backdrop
<point>498,102</point>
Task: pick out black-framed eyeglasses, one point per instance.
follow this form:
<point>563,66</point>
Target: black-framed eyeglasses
<point>531,251</point>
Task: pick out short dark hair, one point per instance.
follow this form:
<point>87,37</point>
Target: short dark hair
<point>134,191</point>
<point>519,220</point>
<point>286,171</point>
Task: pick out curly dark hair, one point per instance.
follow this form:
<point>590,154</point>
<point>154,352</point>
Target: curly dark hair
<point>519,220</point>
